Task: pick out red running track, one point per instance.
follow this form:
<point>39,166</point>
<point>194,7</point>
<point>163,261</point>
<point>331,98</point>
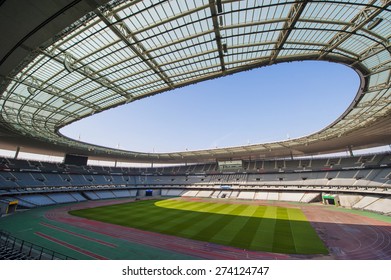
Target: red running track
<point>351,236</point>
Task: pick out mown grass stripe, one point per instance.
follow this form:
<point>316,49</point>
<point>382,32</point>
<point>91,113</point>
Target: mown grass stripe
<point>183,221</point>
<point>263,239</point>
<point>196,206</point>
<point>225,235</point>
<point>189,220</point>
<point>283,239</point>
<point>185,227</point>
<point>216,223</point>
<point>203,221</point>
<point>245,236</point>
<point>164,218</point>
<point>175,204</point>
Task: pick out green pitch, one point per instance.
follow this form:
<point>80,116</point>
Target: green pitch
<point>253,227</point>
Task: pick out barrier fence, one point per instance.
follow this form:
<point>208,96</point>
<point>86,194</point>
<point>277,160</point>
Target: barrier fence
<point>13,248</point>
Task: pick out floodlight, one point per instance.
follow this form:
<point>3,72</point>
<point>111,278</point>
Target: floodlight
<point>374,23</point>
<point>31,90</point>
<point>219,6</point>
<point>225,49</point>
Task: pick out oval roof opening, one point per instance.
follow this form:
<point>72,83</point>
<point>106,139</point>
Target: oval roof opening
<point>268,104</point>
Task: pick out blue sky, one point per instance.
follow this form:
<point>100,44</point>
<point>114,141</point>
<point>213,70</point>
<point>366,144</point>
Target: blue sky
<point>262,105</point>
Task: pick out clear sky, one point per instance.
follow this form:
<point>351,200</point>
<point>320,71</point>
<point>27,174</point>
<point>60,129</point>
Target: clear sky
<point>262,105</point>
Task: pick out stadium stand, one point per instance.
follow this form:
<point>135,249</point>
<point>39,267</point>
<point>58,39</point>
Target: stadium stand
<point>246,195</point>
<point>91,195</point>
<point>77,196</point>
<point>171,192</point>
<point>362,182</point>
<point>62,197</point>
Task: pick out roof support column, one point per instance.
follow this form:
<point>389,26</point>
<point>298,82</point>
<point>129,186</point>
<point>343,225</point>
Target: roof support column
<point>293,16</point>
<point>17,152</point>
<point>214,12</point>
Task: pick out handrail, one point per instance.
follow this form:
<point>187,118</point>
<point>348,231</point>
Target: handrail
<point>27,250</point>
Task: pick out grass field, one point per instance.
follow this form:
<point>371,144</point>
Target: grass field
<point>253,227</point>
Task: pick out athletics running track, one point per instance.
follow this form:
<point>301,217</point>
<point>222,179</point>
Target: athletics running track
<point>347,235</point>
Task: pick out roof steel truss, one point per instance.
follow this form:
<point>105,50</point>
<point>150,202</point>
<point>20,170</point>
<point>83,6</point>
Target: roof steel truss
<point>128,50</point>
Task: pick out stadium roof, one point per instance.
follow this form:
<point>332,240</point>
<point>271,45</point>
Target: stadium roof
<point>62,61</point>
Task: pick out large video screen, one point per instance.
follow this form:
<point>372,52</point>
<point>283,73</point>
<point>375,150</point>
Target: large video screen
<point>75,160</point>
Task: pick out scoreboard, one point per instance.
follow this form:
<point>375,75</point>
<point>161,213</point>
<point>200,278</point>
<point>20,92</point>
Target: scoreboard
<point>230,165</point>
